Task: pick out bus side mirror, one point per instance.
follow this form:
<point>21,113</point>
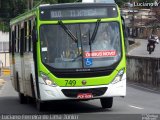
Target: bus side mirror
<point>125,34</point>
<point>123,24</point>
<point>124,27</point>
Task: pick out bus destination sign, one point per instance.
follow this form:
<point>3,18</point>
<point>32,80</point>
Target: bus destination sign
<point>77,13</point>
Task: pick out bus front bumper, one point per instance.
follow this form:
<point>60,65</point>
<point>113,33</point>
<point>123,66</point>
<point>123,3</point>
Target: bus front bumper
<point>49,93</point>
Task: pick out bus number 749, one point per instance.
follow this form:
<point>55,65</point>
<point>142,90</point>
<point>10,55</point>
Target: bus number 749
<point>70,82</point>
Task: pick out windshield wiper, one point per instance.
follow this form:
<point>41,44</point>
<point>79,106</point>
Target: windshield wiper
<point>94,32</point>
<point>68,31</point>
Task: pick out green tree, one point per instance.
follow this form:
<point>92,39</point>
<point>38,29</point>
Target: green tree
<point>12,8</point>
<point>66,1</point>
<point>146,1</point>
<point>121,2</point>
<point>17,7</point>
<point>38,2</point>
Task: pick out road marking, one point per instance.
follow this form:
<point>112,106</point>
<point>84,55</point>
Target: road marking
<point>144,88</point>
<point>136,107</point>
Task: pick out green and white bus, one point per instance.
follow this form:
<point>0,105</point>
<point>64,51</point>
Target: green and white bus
<point>73,51</point>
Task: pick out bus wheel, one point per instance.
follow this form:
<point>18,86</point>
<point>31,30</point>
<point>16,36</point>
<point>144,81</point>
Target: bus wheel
<point>40,106</point>
<point>107,102</point>
<point>22,98</point>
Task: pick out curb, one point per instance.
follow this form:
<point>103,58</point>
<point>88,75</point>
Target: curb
<point>5,71</point>
<point>136,44</point>
<point>145,87</point>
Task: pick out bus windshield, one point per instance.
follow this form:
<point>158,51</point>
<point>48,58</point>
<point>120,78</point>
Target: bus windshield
<point>94,45</point>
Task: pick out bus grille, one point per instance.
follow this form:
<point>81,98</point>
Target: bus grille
<point>74,92</point>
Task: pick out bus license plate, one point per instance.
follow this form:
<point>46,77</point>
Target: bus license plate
<point>84,96</point>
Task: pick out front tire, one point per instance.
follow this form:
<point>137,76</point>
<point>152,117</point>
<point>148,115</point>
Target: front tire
<point>40,106</point>
<point>106,102</point>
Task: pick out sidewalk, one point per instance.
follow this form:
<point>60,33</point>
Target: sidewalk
<point>2,82</point>
<point>7,89</point>
<point>4,72</point>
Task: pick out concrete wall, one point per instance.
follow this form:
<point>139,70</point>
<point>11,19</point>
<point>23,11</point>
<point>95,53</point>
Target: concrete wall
<point>142,32</point>
<point>143,70</point>
<point>4,36</point>
<point>4,57</point>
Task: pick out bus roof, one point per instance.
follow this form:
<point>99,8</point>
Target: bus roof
<point>98,1</point>
<point>64,5</point>
<point>33,12</point>
<point>78,11</point>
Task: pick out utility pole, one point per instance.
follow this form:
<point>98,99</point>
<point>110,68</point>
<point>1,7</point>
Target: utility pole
<point>29,4</point>
<point>0,4</point>
<point>133,20</point>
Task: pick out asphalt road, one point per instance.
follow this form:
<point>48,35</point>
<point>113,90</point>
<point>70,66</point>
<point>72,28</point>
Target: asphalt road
<point>138,103</point>
<point>141,50</point>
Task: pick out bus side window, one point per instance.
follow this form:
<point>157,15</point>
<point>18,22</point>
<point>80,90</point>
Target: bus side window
<point>30,36</point>
<point>18,46</point>
<point>22,38</point>
<point>32,25</point>
<point>25,36</point>
<point>16,40</point>
<point>13,41</point>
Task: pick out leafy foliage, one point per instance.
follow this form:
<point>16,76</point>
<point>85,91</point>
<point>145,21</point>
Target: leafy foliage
<point>12,8</point>
<point>121,2</point>
<point>4,26</point>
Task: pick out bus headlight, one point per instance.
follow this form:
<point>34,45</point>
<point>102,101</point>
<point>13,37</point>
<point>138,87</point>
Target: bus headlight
<point>118,76</point>
<point>47,80</point>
